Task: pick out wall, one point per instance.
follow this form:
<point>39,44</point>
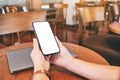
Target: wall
<point>71,11</point>
<point>36,4</point>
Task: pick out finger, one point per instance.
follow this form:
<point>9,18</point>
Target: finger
<point>48,57</point>
<point>59,42</point>
<point>35,43</point>
<point>54,57</point>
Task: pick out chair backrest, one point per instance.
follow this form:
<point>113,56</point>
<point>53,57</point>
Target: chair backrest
<point>61,10</point>
<point>18,22</point>
<point>2,11</point>
<point>114,11</point>
<point>91,14</point>
<point>101,3</point>
<point>81,4</point>
<point>12,8</point>
<point>87,4</point>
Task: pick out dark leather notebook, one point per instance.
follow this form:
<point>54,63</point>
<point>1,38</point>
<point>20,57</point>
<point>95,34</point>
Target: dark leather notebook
<point>20,60</point>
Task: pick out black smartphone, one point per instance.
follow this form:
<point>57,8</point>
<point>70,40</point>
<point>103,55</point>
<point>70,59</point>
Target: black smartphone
<point>45,37</point>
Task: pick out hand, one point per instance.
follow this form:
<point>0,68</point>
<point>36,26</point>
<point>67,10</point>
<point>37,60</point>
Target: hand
<point>62,58</point>
<point>40,62</point>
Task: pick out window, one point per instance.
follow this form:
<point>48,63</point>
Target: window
<point>91,0</point>
<point>12,2</point>
<point>3,2</point>
<point>51,1</point>
<point>17,2</point>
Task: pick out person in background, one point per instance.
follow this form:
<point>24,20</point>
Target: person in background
<point>80,67</point>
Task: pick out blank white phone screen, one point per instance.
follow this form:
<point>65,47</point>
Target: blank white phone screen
<point>46,38</point>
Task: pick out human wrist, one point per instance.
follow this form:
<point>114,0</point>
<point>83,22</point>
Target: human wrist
<point>37,68</point>
<point>68,62</point>
<point>42,73</point>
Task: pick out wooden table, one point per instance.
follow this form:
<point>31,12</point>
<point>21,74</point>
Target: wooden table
<point>57,73</point>
<point>115,27</point>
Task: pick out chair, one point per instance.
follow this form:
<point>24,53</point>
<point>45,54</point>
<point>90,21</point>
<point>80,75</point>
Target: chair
<point>90,15</point>
<point>81,4</point>
<point>19,22</point>
<point>107,46</point>
<point>115,12</point>
<point>14,9</point>
<point>75,35</point>
<point>2,11</point>
<point>90,4</point>
<point>101,3</point>
<point>61,14</point>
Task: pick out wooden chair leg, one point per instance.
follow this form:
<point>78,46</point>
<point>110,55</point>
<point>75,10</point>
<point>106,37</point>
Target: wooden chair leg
<point>13,38</point>
<point>65,35</point>
<point>55,28</point>
<point>18,35</point>
<point>29,35</point>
